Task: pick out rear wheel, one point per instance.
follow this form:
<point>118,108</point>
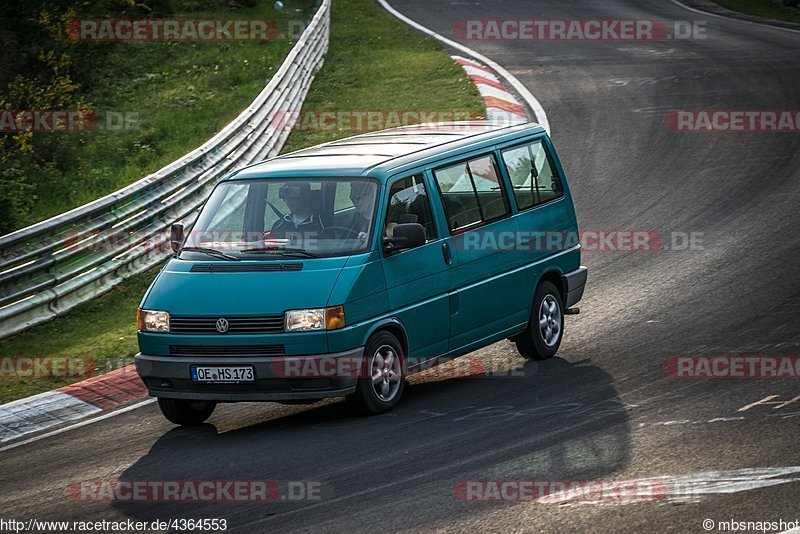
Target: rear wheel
<point>541,339</point>
<point>186,412</point>
<point>382,381</point>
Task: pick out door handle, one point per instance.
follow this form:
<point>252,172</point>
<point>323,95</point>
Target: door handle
<point>448,259</point>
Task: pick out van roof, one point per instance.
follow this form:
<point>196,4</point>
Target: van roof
<point>378,153</point>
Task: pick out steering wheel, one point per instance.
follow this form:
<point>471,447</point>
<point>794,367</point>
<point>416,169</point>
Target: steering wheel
<point>339,232</point>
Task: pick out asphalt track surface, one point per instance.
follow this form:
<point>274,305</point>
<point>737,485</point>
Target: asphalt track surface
<point>605,409</point>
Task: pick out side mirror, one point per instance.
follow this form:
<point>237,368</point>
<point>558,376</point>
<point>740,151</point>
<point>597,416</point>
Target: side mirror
<point>405,236</point>
<point>176,236</point>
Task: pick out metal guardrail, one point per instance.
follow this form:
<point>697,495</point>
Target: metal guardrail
<point>52,266</point>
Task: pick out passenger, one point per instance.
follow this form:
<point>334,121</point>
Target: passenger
<point>301,218</point>
<point>362,195</point>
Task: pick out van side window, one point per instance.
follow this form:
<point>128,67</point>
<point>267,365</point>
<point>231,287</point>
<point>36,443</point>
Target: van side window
<point>471,192</point>
<point>532,175</point>
<point>409,203</point>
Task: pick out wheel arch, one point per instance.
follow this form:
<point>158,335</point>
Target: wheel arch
<point>394,327</point>
<point>553,276</point>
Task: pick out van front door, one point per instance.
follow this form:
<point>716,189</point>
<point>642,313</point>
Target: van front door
<point>417,279</point>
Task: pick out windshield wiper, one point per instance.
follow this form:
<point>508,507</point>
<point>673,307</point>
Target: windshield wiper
<point>211,252</point>
<point>280,250</point>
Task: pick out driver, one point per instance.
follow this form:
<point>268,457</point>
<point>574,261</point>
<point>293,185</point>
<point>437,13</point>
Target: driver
<point>301,218</point>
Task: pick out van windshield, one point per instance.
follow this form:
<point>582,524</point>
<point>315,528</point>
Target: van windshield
<point>285,217</point>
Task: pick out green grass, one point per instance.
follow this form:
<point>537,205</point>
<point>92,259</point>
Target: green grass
<point>374,63</point>
<point>763,8</point>
<point>178,95</point>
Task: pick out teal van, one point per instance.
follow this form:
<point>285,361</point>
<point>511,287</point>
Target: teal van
<point>340,269</point>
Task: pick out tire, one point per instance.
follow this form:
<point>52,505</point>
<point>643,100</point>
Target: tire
<point>186,412</point>
<point>382,381</point>
<point>540,340</point>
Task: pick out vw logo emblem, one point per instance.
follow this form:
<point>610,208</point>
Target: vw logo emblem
<point>222,325</point>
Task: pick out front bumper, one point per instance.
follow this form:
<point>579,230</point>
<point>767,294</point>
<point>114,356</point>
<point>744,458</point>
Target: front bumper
<point>574,283</point>
<point>170,377</point>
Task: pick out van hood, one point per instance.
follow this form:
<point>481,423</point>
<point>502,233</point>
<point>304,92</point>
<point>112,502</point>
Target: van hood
<point>203,288</point>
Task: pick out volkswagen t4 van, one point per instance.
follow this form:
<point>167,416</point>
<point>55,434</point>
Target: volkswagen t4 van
<point>339,269</point>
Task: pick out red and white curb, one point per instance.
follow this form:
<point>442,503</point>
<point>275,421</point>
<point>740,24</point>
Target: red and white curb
<point>501,105</point>
<point>69,403</point>
<point>532,103</point>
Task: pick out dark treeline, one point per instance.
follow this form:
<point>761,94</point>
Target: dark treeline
<point>43,68</point>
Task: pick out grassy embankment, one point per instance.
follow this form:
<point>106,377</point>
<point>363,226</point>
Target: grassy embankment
<point>770,9</point>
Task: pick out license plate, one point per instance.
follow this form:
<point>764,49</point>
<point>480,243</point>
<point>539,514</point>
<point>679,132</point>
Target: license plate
<point>222,373</point>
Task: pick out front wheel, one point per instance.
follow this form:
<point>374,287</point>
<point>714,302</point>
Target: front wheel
<point>186,412</point>
<point>381,381</point>
<point>541,339</point>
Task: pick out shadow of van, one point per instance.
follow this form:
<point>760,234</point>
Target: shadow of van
<point>553,420</point>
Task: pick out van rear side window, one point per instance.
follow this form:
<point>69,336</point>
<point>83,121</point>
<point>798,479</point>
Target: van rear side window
<point>532,175</point>
<point>471,192</point>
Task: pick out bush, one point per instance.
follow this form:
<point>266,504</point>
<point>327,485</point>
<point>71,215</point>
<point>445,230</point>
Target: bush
<point>17,195</point>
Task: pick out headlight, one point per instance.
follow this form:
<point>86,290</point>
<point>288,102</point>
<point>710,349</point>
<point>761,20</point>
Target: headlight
<point>152,321</point>
<point>314,319</point>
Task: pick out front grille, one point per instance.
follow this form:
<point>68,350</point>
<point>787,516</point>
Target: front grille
<point>226,350</point>
<point>264,324</point>
<point>245,267</point>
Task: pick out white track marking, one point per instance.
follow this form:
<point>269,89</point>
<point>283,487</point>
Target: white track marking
<point>690,488</point>
<point>693,487</point>
<point>79,425</point>
<point>527,96</point>
<point>41,411</point>
<point>504,117</point>
<point>751,22</point>
<point>690,422</point>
